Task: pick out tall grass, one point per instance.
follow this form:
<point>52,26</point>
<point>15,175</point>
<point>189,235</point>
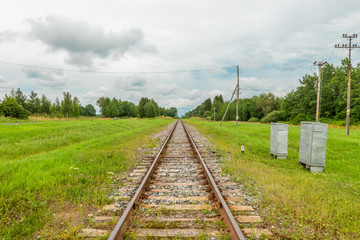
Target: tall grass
<point>46,168</point>
<point>294,203</point>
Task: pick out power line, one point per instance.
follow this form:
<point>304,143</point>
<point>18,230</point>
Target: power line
<point>264,90</point>
<point>116,72</point>
<point>330,42</point>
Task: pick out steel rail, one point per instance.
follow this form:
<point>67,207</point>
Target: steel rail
<point>230,222</point>
<point>121,226</point>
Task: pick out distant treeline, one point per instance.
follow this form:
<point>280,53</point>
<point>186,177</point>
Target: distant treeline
<point>18,105</point>
<point>147,108</point>
<point>296,106</point>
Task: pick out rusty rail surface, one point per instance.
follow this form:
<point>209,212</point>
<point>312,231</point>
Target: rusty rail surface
<point>120,228</point>
<point>230,222</point>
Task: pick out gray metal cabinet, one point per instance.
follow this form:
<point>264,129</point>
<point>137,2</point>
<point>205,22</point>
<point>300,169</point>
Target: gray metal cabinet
<point>312,153</point>
<point>279,140</point>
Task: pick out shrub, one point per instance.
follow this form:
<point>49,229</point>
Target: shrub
<point>207,114</point>
<point>1,109</point>
<point>10,108</point>
<point>254,119</point>
<point>299,118</point>
<point>274,116</point>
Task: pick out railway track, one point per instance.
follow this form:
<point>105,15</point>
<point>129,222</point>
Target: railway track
<point>181,194</point>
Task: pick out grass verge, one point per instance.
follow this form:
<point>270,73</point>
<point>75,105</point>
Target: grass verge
<point>52,173</point>
<point>294,203</point>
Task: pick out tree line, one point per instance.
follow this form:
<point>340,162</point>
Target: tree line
<point>18,105</point>
<point>298,105</point>
<point>147,108</point>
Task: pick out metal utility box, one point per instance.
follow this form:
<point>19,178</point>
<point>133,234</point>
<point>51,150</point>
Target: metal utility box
<point>313,137</point>
<point>279,140</point>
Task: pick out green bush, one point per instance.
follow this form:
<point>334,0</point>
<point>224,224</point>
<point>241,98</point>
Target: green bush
<point>336,122</point>
<point>274,116</point>
<point>300,117</point>
<point>1,109</point>
<point>254,119</point>
<point>10,108</point>
<point>207,114</point>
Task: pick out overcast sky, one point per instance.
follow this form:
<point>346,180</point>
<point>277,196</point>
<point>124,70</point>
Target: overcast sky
<point>274,42</point>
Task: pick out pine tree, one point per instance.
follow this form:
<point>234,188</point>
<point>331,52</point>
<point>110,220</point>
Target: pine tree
<point>141,106</point>
<point>45,105</point>
<point>207,105</point>
<point>66,104</point>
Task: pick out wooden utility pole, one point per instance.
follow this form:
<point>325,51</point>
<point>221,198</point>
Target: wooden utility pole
<point>350,47</point>
<point>318,63</point>
<point>237,96</point>
<point>236,88</point>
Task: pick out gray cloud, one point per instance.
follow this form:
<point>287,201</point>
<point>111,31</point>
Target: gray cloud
<point>84,42</point>
<point>54,80</point>
<point>131,83</point>
<point>80,59</point>
<point>167,89</point>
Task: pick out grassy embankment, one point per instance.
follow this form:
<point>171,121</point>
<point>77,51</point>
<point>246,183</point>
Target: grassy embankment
<point>36,119</point>
<point>294,203</point>
<point>53,174</point>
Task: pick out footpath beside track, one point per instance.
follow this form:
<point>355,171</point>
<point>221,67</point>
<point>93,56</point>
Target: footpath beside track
<point>180,193</point>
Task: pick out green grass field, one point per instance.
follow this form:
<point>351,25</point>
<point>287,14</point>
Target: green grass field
<point>53,173</point>
<point>294,203</point>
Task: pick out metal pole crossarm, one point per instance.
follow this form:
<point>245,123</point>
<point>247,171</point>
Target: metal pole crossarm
<point>346,46</point>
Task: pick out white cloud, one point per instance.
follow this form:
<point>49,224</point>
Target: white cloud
<point>193,94</point>
<point>92,96</point>
<point>133,97</point>
<point>5,84</point>
<point>214,93</point>
<point>9,36</point>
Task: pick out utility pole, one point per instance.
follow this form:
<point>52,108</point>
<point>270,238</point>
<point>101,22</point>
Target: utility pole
<point>318,63</point>
<point>236,88</point>
<point>214,108</point>
<point>237,96</point>
<point>350,47</point>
